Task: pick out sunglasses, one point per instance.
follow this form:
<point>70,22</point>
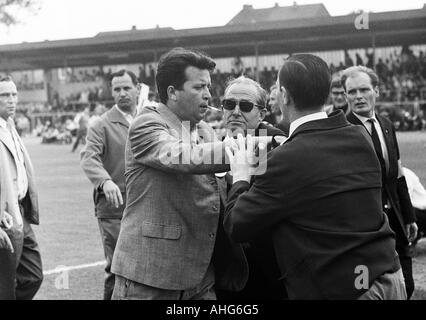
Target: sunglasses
<point>245,106</point>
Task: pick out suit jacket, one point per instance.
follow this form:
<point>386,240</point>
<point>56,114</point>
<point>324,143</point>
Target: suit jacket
<point>264,272</point>
<point>171,222</point>
<point>306,197</point>
<point>395,190</point>
<point>8,178</point>
<point>102,158</point>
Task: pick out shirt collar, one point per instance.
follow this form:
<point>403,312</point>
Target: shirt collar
<point>126,115</point>
<point>365,119</point>
<point>310,117</point>
<point>3,123</point>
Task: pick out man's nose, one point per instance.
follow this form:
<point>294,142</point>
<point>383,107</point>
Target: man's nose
<point>358,94</point>
<point>236,110</point>
<point>207,95</point>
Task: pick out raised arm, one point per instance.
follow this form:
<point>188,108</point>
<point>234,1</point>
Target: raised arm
<point>153,144</point>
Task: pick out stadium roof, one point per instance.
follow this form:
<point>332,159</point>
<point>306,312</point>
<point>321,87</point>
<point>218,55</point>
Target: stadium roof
<point>250,15</point>
<point>324,32</point>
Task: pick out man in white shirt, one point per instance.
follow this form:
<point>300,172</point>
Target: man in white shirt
<point>102,160</point>
<point>20,262</point>
<point>361,87</point>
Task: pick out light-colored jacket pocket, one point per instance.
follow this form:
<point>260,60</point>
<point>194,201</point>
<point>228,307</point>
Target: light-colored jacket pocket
<point>154,230</point>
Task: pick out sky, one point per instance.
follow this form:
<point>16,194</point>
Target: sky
<point>71,19</point>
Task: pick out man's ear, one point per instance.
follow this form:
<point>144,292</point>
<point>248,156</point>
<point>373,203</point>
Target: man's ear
<point>262,114</point>
<point>171,93</point>
<point>376,90</point>
<point>286,96</point>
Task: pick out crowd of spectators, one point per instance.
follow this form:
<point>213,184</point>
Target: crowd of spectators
<point>402,82</point>
<point>402,75</point>
<point>28,86</point>
<point>73,76</point>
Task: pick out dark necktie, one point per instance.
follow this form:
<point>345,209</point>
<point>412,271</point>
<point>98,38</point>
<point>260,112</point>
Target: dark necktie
<point>376,141</point>
<point>378,148</point>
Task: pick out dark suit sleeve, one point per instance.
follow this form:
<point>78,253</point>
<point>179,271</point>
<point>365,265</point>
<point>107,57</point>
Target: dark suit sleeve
<point>407,209</point>
<point>252,209</point>
<point>396,141</point>
<point>405,202</point>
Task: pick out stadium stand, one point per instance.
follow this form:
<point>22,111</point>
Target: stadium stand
<point>254,43</point>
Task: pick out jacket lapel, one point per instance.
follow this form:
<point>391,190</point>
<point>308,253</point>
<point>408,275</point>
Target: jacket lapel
<point>386,132</point>
<point>7,140</point>
<point>354,119</point>
<point>115,116</point>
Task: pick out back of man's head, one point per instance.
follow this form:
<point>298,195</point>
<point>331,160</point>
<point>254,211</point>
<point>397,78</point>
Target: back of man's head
<point>172,65</point>
<point>307,80</point>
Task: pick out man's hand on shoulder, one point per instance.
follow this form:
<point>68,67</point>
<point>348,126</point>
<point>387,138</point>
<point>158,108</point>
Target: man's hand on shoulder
<point>5,242</point>
<point>112,193</point>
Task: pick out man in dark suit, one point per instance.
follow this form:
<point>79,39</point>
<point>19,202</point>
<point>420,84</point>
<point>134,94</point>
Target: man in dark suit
<point>21,271</point>
<point>326,247</point>
<point>102,160</point>
<point>361,86</point>
<point>243,112</point>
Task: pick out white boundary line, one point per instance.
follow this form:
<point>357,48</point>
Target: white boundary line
<point>61,269</point>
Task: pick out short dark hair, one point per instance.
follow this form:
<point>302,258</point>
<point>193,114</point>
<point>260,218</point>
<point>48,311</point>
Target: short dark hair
<point>121,73</point>
<point>307,78</point>
<point>261,95</point>
<point>172,65</point>
<point>336,82</point>
<point>351,71</point>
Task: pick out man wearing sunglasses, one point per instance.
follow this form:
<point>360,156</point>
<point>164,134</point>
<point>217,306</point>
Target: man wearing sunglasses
<point>320,195</point>
<point>243,110</point>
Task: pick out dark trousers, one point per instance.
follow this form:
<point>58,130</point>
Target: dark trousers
<point>404,252</point>
<point>109,228</point>
<point>263,282</point>
<point>21,272</point>
<point>407,271</point>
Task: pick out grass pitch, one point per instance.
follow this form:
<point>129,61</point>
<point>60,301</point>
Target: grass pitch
<point>68,233</point>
